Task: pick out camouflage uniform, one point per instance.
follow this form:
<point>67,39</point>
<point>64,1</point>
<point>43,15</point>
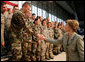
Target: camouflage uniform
<point>8,23</point>
<point>27,35</point>
<point>60,45</point>
<point>51,36</point>
<point>36,43</point>
<point>63,31</point>
<point>16,38</point>
<point>47,46</point>
<point>43,43</point>
<point>56,35</point>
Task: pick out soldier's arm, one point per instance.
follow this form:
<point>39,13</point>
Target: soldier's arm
<point>2,31</point>
<point>18,20</point>
<point>80,47</point>
<point>2,35</point>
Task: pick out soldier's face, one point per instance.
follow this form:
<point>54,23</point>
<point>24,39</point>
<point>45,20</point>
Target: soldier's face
<point>38,22</point>
<point>48,19</point>
<point>3,8</point>
<point>33,16</point>
<point>28,14</point>
<point>44,23</point>
<point>27,7</point>
<point>40,18</point>
<point>16,9</point>
<point>49,24</point>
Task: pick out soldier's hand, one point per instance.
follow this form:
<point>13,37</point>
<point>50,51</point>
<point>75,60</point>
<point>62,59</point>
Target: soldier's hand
<point>2,44</point>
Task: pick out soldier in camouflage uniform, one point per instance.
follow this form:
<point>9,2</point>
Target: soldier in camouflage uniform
<point>56,36</point>
<point>47,44</point>
<point>33,16</point>
<point>18,24</point>
<point>43,44</point>
<point>9,17</point>
<point>51,36</point>
<point>63,31</point>
<point>36,46</point>
<point>3,9</point>
<point>2,34</point>
<point>59,47</point>
<point>27,35</point>
<point>8,23</point>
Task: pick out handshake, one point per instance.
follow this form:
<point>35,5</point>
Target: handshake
<point>41,37</point>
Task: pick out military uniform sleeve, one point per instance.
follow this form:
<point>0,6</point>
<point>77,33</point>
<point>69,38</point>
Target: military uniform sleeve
<point>80,47</point>
<point>18,21</point>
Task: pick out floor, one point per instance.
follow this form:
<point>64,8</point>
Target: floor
<point>59,57</point>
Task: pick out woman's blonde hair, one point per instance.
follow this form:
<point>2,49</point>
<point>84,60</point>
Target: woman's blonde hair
<point>74,24</point>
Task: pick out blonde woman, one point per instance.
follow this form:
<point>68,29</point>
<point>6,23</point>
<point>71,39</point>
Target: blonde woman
<point>72,42</point>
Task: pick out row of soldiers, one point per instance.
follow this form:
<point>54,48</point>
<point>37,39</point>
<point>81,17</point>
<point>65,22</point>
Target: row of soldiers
<point>22,36</point>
